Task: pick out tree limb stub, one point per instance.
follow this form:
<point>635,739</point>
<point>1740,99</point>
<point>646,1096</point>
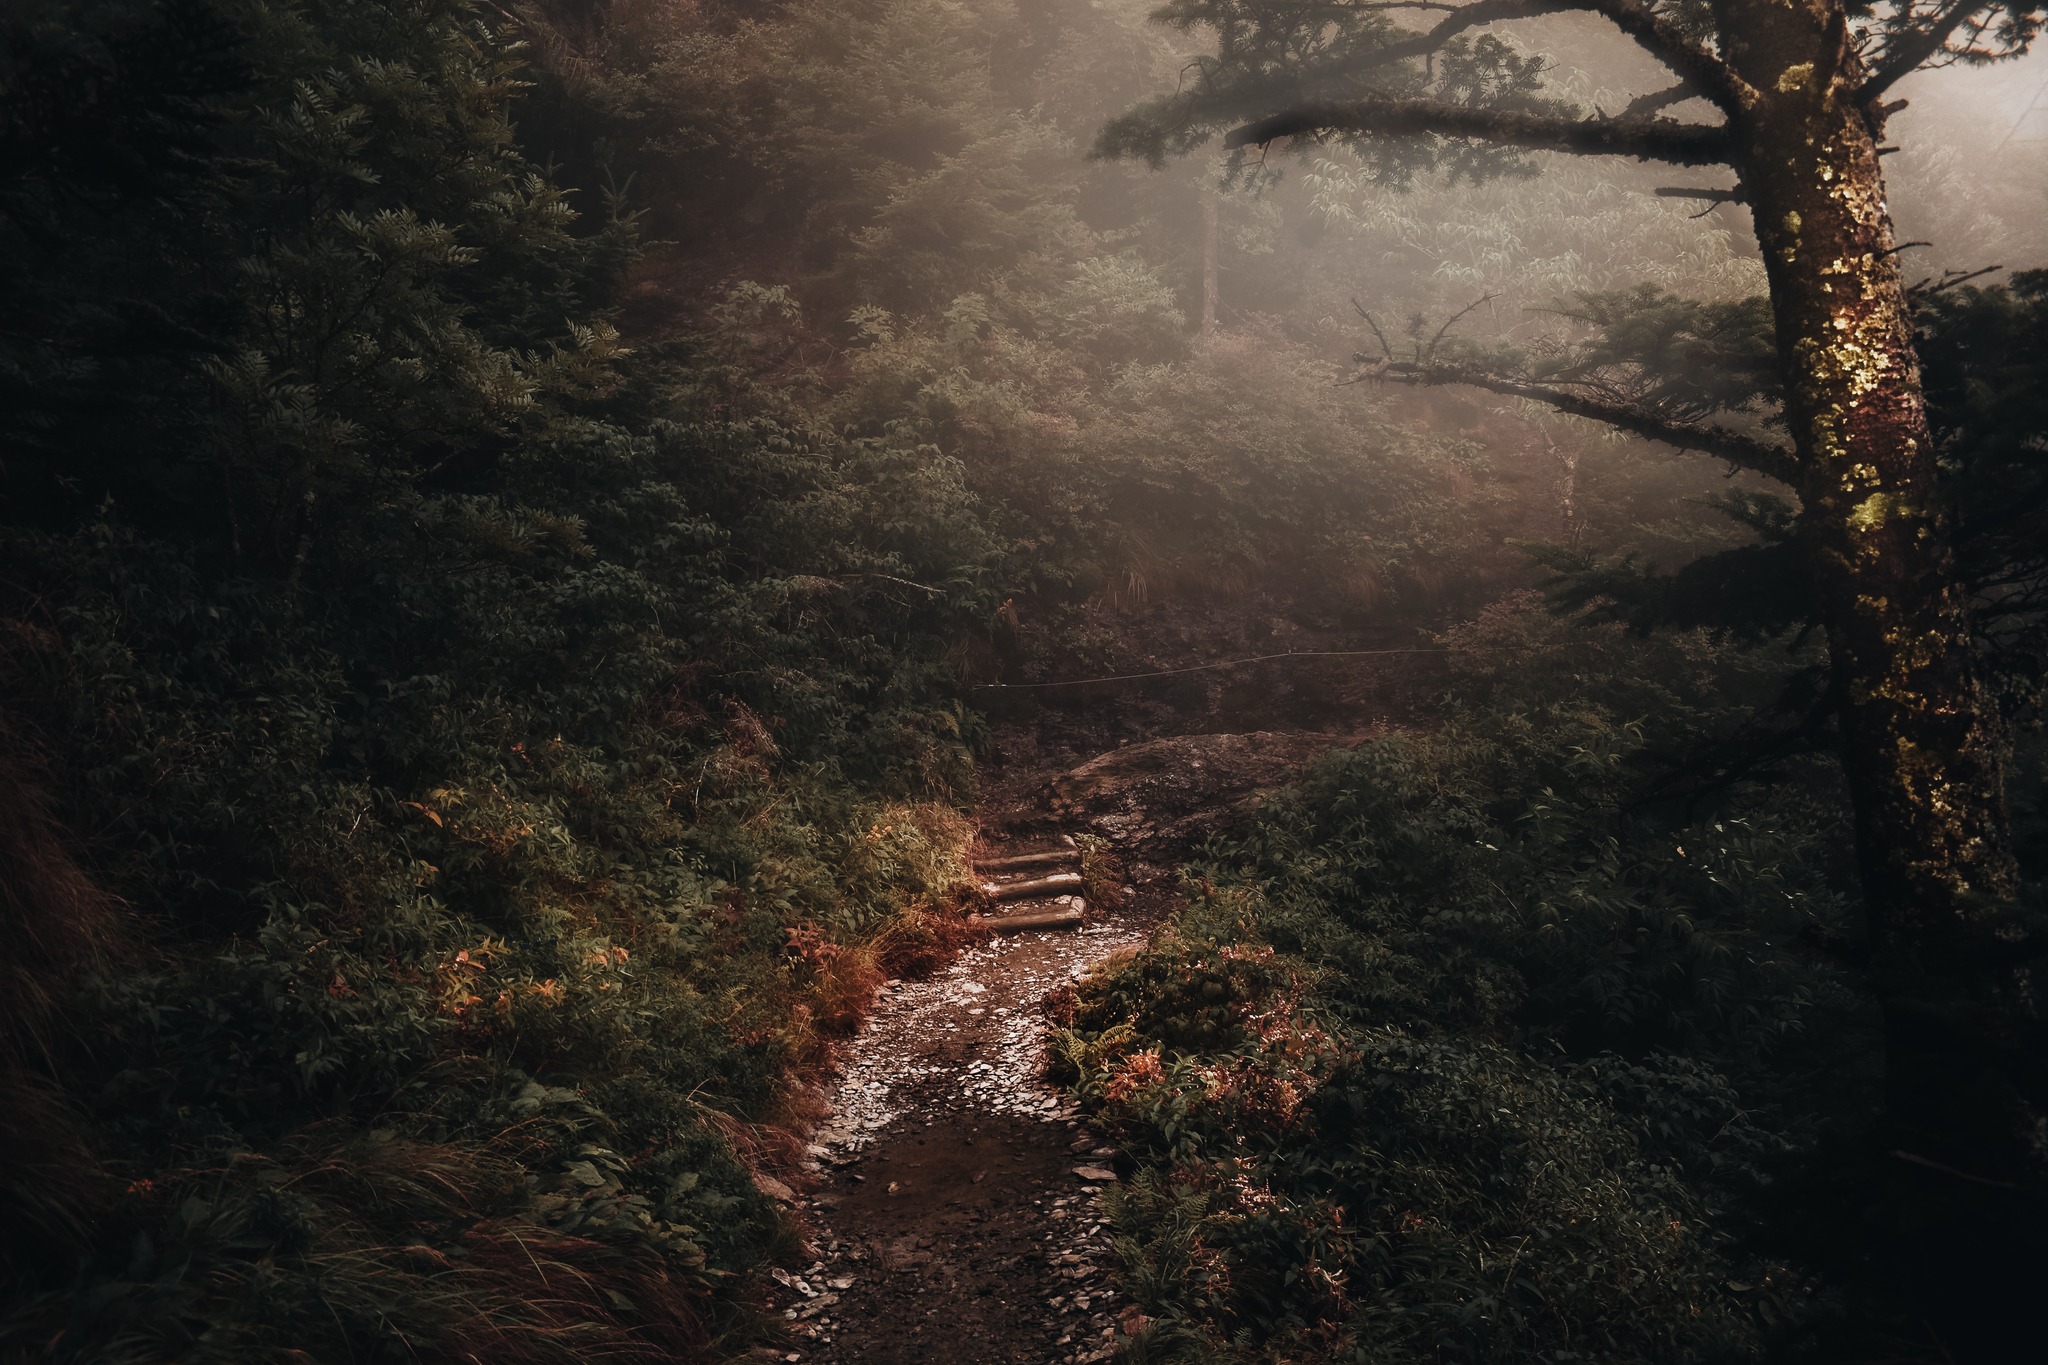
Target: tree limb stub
<point>1747,452</point>
<point>1646,139</point>
<point>1734,196</point>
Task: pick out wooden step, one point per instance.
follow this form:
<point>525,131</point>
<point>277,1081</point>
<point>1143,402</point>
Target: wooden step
<point>1016,860</point>
<point>1059,883</point>
<point>1053,917</point>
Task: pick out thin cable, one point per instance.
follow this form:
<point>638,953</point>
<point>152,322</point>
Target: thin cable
<point>1201,668</point>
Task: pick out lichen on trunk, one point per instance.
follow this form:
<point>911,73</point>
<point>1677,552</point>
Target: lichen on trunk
<point>1921,737</point>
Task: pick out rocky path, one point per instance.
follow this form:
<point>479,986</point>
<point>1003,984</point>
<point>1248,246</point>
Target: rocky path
<point>956,1202</point>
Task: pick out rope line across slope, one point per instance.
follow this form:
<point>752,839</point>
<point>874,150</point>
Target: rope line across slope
<point>1203,668</point>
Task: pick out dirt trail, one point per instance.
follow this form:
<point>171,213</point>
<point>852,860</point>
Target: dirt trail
<point>957,1203</point>
<point>954,1198</point>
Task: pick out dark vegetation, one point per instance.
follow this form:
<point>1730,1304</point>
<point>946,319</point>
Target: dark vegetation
<point>507,512</point>
<point>1921,581</point>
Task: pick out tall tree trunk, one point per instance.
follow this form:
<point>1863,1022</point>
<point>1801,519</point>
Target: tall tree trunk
<point>1209,266</point>
<point>1925,750</point>
<point>1921,740</point>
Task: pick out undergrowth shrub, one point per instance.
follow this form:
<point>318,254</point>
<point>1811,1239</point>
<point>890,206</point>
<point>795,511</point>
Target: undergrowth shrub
<point>1477,1048</point>
<point>516,765</point>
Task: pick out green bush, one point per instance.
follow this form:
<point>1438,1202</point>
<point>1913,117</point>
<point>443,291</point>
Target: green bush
<point>1472,1049</point>
<point>514,761</point>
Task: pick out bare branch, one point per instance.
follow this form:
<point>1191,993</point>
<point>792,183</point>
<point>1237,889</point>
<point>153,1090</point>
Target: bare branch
<point>1642,106</point>
<point>1646,139</point>
<point>1375,328</point>
<point>1734,196</point>
<point>1748,452</point>
<point>1903,55</point>
<point>1453,320</point>
<point>1930,286</point>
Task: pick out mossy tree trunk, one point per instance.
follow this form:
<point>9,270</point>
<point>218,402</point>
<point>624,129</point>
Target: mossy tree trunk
<point>1921,741</point>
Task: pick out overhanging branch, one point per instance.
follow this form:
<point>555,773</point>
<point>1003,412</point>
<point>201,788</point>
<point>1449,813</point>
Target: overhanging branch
<point>1646,139</point>
<point>1704,75</point>
<point>1748,452</point>
<point>1460,19</point>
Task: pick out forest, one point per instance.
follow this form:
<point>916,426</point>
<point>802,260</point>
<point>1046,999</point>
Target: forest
<point>547,547</point>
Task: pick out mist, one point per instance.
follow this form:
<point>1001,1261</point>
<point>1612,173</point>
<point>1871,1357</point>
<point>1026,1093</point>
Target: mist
<point>1022,682</point>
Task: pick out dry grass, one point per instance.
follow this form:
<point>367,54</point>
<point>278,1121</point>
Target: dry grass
<point>55,926</point>
<point>928,844</point>
<point>1102,876</point>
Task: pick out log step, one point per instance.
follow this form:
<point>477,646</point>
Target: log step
<point>1058,917</point>
<point>1053,859</point>
<point>1059,883</point>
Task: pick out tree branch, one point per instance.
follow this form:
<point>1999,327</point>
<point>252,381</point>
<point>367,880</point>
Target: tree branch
<point>1642,106</point>
<point>1646,139</point>
<point>1930,286</point>
<point>1734,196</point>
<point>1453,320</point>
<point>1375,328</point>
<point>1903,55</point>
<point>1748,452</point>
<point>1461,17</point>
<point>1714,198</point>
<point>1705,75</point>
<point>1663,39</point>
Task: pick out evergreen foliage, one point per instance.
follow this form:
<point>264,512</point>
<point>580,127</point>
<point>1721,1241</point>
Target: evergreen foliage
<point>1691,360</point>
<point>500,501</point>
<point>510,761</point>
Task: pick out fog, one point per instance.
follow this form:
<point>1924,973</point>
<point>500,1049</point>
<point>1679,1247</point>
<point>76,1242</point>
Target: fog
<point>1418,763</point>
<point>1971,173</point>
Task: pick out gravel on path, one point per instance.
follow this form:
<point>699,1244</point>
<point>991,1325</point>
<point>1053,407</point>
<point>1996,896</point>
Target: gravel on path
<point>956,1201</point>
